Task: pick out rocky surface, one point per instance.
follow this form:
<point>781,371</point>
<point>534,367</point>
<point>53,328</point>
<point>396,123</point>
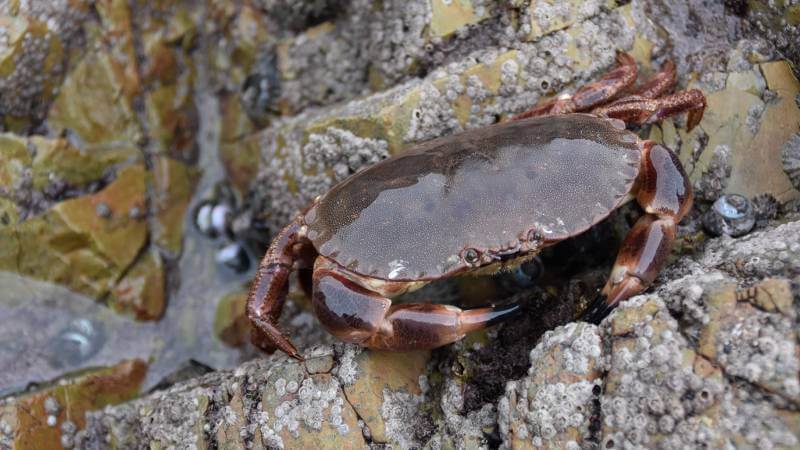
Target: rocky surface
<point>709,358</point>
<point>124,122</point>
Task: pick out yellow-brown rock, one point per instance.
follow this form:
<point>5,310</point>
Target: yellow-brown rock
<point>142,292</point>
<point>39,420</point>
<point>379,371</point>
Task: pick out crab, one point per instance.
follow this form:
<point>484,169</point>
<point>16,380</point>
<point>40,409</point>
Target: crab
<point>478,202</point>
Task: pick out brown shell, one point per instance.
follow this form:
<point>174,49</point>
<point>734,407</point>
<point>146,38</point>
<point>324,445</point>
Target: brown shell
<point>410,217</point>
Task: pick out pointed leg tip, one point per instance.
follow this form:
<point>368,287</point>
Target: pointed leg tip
<point>502,313</point>
<point>597,310</point>
<point>291,350</point>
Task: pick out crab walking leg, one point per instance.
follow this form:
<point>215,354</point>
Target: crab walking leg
<point>271,285</point>
<point>664,192</point>
<point>354,314</point>
<point>640,110</point>
<point>660,83</point>
<point>591,95</point>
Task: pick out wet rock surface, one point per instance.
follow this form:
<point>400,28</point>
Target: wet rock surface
<point>121,121</point>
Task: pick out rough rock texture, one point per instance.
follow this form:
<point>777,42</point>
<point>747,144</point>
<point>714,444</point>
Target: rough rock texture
<point>709,358</point>
<point>118,116</point>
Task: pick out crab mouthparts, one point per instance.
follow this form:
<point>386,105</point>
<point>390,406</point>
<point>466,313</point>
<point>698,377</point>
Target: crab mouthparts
<point>506,253</point>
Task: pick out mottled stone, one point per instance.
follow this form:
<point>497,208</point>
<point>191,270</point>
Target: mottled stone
<point>58,159</point>
<point>118,237</point>
<point>552,407</point>
<point>548,16</point>
<point>241,160</point>
<point>171,185</point>
<point>37,172</point>
<point>749,336</point>
<point>656,386</point>
<point>46,418</point>
<point>449,16</point>
<point>745,135</point>
<point>230,322</point>
<point>380,375</point>
<point>71,244</point>
<point>37,42</point>
<point>96,103</point>
<point>234,418</point>
<point>307,410</point>
<point>319,360</point>
<point>141,292</point>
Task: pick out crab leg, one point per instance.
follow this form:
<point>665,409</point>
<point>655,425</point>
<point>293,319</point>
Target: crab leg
<point>659,84</point>
<point>355,314</point>
<point>664,192</point>
<point>271,285</point>
<point>644,105</point>
<point>641,110</point>
<point>591,95</point>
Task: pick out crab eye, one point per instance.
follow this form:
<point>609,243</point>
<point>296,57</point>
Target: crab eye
<point>534,235</point>
<point>471,256</point>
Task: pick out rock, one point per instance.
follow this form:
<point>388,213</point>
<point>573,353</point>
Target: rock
<point>553,407</point>
<point>142,290</point>
<point>38,172</point>
<point>171,185</point>
<point>38,39</point>
<point>96,103</point>
<point>267,404</point>
<point>381,384</point>
<point>448,17</point>
<point>791,159</point>
<point>658,391</point>
<point>660,388</point>
<point>72,245</point>
<point>742,135</point>
<point>750,334</point>
<point>230,323</point>
<point>52,417</point>
<point>553,16</point>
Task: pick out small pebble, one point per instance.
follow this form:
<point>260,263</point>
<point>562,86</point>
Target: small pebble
<point>51,405</point>
<point>135,213</point>
<point>102,210</point>
<point>66,441</point>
